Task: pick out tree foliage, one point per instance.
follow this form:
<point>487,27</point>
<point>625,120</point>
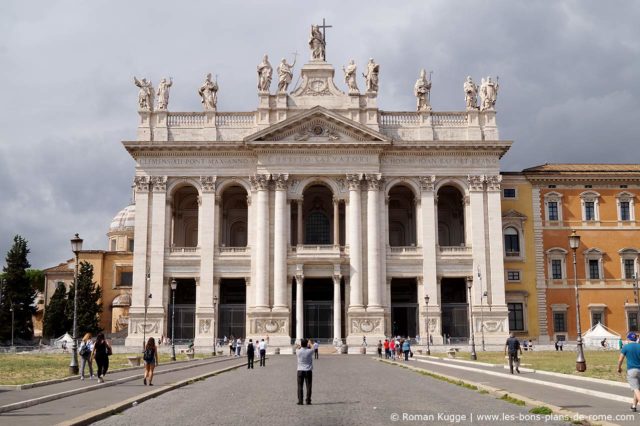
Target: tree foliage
<point>55,321</point>
<point>89,304</point>
<point>17,292</point>
<point>36,278</point>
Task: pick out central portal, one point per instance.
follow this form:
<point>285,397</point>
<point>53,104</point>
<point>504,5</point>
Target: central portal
<point>317,309</point>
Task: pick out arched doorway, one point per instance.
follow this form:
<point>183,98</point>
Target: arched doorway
<point>185,217</point>
<point>404,307</point>
<point>185,310</point>
<point>232,308</point>
<point>450,217</point>
<point>455,309</point>
<point>402,217</point>
<point>234,217</point>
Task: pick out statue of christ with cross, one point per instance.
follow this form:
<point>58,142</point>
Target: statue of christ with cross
<point>318,41</point>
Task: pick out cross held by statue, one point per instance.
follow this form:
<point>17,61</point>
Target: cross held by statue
<point>324,26</point>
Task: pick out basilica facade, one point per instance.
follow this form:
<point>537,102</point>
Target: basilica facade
<point>317,215</point>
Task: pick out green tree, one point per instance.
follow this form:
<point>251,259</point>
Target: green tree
<point>17,293</point>
<point>36,278</point>
<point>89,303</point>
<point>55,320</point>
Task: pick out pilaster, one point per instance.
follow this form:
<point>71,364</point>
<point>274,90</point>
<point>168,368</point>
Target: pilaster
<point>260,183</point>
<point>204,291</point>
<point>355,242</point>
<point>280,238</point>
<point>158,205</point>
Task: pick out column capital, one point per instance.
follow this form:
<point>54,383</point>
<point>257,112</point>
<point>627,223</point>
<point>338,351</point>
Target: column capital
<point>208,183</point>
<point>374,181</point>
<point>476,182</point>
<point>336,200</point>
<point>259,182</point>
<point>353,181</point>
<point>158,183</point>
<point>427,183</point>
<point>280,181</point>
<point>247,281</point>
<point>420,280</point>
<point>141,183</point>
<point>493,182</point>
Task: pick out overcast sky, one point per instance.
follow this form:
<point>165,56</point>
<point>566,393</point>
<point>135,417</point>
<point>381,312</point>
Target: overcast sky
<point>569,84</point>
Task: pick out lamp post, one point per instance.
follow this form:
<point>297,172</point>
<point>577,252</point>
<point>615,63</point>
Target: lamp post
<point>12,322</point>
<point>76,247</point>
<point>474,356</point>
<point>581,363</point>
<point>147,296</point>
<point>174,285</point>
<point>215,322</point>
<point>426,314</point>
<point>482,296</point>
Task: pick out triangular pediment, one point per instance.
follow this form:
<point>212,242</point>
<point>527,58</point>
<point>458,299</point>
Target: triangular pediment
<point>514,215</point>
<point>318,124</point>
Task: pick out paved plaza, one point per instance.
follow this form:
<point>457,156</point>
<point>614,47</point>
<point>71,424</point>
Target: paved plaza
<point>346,391</point>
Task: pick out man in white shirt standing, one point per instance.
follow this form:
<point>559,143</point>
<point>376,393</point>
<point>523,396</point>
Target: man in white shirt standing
<point>305,367</point>
<point>263,353</point>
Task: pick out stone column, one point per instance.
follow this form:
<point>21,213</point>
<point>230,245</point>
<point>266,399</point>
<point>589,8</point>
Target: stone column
<point>299,304</point>
<point>204,291</point>
<point>139,288</point>
<point>158,206</point>
<point>478,242</point>
<point>261,184</point>
<point>299,224</point>
<point>355,243</point>
<point>495,280</point>
<point>280,244</point>
<point>373,243</point>
<point>337,305</point>
<point>429,232</point>
<point>336,221</point>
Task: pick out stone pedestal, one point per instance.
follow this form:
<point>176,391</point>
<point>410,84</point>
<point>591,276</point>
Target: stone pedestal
<point>365,324</point>
<point>272,327</point>
<point>139,329</point>
<point>205,324</point>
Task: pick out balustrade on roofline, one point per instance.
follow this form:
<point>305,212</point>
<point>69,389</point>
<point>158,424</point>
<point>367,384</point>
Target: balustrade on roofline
<point>440,119</point>
<point>223,119</point>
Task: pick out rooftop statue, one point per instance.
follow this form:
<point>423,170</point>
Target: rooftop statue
<point>371,76</point>
<point>265,72</point>
<point>470,94</point>
<point>317,43</point>
<point>350,77</point>
<point>209,93</point>
<point>422,91</point>
<point>285,75</point>
<point>489,93</point>
<point>163,93</point>
<point>145,95</point>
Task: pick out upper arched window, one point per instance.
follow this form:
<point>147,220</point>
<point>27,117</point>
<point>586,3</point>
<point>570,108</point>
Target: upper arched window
<point>318,228</point>
<point>511,241</point>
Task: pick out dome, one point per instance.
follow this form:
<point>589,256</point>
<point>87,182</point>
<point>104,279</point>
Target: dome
<point>122,300</point>
<point>124,220</point>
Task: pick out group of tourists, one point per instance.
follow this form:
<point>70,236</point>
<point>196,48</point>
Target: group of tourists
<point>394,348</point>
<point>261,347</point>
<point>100,350</point>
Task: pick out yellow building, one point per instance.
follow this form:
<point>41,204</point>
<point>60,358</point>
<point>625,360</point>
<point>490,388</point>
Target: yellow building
<point>521,293</point>
<point>112,269</point>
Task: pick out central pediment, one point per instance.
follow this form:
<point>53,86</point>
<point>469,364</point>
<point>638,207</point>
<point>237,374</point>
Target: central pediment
<point>318,125</point>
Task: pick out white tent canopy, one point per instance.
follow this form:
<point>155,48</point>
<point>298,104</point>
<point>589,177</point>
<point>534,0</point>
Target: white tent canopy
<point>597,333</point>
<point>65,338</point>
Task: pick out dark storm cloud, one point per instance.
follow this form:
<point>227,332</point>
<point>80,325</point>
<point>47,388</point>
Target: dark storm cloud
<point>567,70</point>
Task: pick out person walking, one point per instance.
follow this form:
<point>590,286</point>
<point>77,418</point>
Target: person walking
<point>512,346</point>
<point>232,346</point>
<point>101,352</point>
<point>305,369</point>
<point>86,347</point>
<point>250,354</point>
<point>387,355</point>
<point>379,348</point>
<point>150,357</point>
<point>406,348</point>
<point>315,349</point>
<point>392,349</point>
<point>262,346</point>
<point>631,351</point>
<point>238,347</point>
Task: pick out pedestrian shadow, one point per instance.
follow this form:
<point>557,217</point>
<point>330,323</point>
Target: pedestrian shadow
<point>337,403</point>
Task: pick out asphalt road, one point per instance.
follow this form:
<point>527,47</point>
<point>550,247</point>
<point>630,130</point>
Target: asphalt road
<point>347,390</point>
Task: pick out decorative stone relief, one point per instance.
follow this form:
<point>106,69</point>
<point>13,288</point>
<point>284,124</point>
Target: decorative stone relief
<point>476,183</point>
<point>493,182</point>
<point>365,325</point>
<point>433,325</point>
<point>427,182</point>
<point>148,327</point>
<point>271,326</point>
<point>353,181</point>
<point>317,131</point>
<point>317,87</point>
<point>373,181</point>
<point>141,183</point>
<point>259,182</point>
<point>494,326</point>
<point>158,183</point>
<point>281,181</point>
<point>208,183</point>
<point>205,326</point>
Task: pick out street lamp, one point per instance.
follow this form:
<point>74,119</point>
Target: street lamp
<point>474,356</point>
<point>76,247</point>
<point>426,314</point>
<point>174,285</point>
<point>215,322</point>
<point>12,326</point>
<point>581,363</point>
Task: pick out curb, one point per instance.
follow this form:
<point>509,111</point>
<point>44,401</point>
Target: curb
<point>123,405</point>
<point>75,377</point>
<point>500,392</point>
<point>64,394</point>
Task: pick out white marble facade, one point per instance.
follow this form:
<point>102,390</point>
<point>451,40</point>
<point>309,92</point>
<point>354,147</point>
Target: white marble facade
<point>232,196</point>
